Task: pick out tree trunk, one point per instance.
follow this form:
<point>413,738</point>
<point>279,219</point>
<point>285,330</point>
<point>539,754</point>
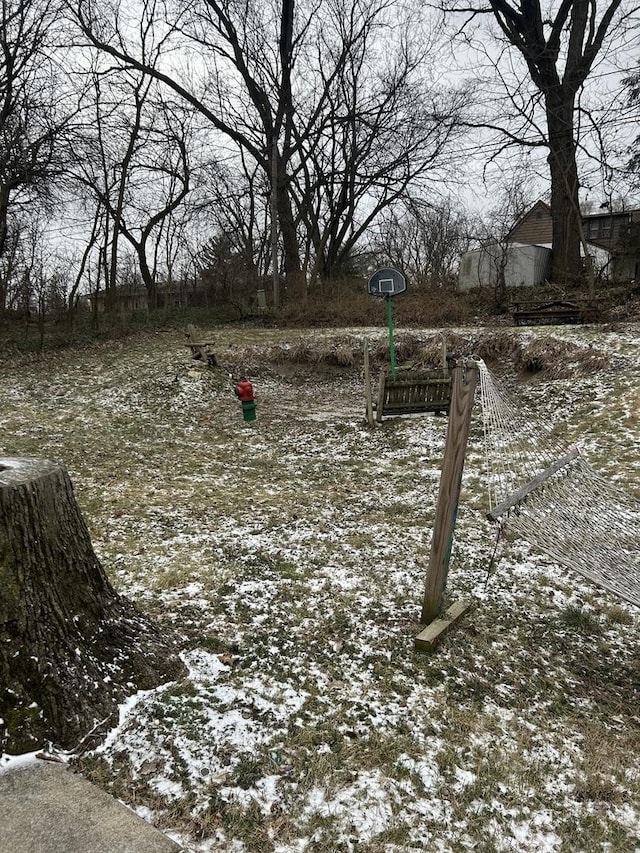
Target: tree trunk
<point>294,274</point>
<point>71,648</point>
<point>4,211</point>
<point>566,265</point>
<point>148,279</point>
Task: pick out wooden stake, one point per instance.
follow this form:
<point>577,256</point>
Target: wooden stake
<point>462,394</point>
<point>367,385</point>
<point>380,406</point>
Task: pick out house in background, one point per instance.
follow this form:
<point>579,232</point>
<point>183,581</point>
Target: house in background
<point>617,235</point>
<point>535,228</point>
<point>517,264</point>
<point>524,258</point>
<point>129,298</point>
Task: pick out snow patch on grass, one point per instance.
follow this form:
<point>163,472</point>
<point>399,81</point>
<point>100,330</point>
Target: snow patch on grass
<point>289,556</point>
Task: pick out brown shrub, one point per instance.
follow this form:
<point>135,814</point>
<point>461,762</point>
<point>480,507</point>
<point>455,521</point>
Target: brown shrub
<point>560,359</point>
<point>352,306</point>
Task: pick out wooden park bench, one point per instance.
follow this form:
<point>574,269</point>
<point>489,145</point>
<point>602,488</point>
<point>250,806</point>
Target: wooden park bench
<point>408,392</point>
<point>585,309</point>
<point>199,349</point>
<point>413,392</point>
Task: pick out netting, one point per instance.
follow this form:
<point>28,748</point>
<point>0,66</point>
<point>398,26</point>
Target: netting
<point>546,492</point>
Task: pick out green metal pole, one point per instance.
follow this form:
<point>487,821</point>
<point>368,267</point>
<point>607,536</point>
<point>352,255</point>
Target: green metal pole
<point>392,346</point>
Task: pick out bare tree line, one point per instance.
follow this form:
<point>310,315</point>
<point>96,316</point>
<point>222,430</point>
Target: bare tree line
<point>273,145</point>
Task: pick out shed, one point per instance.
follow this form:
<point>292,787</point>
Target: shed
<point>523,265</point>
<point>130,299</point>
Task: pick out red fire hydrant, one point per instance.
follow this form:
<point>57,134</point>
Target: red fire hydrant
<point>244,392</point>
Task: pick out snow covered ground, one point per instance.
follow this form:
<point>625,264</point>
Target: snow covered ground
<point>289,556</point>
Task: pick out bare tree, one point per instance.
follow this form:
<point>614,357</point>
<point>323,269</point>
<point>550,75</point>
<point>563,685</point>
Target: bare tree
<point>238,43</point>
<point>379,129</point>
<point>136,165</point>
<point>280,89</point>
<point>632,86</point>
<point>37,271</point>
<point>37,107</point>
<point>559,45</point>
<point>238,213</point>
<point>424,240</point>
<point>166,164</point>
<point>493,233</point>
<point>82,265</point>
<point>31,118</point>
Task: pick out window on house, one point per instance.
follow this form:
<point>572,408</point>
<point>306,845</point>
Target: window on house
<point>599,229</point>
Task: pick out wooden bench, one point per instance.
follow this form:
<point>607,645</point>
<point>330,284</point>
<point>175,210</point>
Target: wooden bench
<point>553,313</point>
<point>413,393</point>
<point>199,348</point>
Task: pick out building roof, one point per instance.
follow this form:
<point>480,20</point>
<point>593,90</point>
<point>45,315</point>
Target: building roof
<point>632,213</point>
<point>536,222</point>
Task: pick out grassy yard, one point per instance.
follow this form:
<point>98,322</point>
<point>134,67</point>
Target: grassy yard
<point>289,557</point>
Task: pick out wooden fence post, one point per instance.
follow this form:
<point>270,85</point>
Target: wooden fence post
<point>462,394</point>
<point>381,388</point>
<point>367,386</point>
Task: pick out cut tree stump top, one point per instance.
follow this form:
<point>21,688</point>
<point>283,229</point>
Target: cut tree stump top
<point>16,470</point>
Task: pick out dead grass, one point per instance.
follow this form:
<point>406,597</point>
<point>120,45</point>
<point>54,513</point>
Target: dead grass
<point>550,357</point>
<point>290,557</point>
<point>560,360</point>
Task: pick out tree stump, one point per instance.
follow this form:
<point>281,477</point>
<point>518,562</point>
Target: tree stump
<point>71,647</point>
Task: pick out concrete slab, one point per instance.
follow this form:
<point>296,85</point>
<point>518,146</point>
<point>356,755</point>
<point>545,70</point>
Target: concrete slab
<point>47,808</point>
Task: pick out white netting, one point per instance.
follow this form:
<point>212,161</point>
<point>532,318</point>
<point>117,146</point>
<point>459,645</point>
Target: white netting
<point>570,513</point>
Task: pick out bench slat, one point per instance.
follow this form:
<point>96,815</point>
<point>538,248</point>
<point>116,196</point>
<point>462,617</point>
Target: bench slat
<point>414,394</point>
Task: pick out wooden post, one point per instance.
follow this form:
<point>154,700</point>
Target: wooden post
<point>381,389</point>
<point>367,386</point>
<point>462,394</point>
